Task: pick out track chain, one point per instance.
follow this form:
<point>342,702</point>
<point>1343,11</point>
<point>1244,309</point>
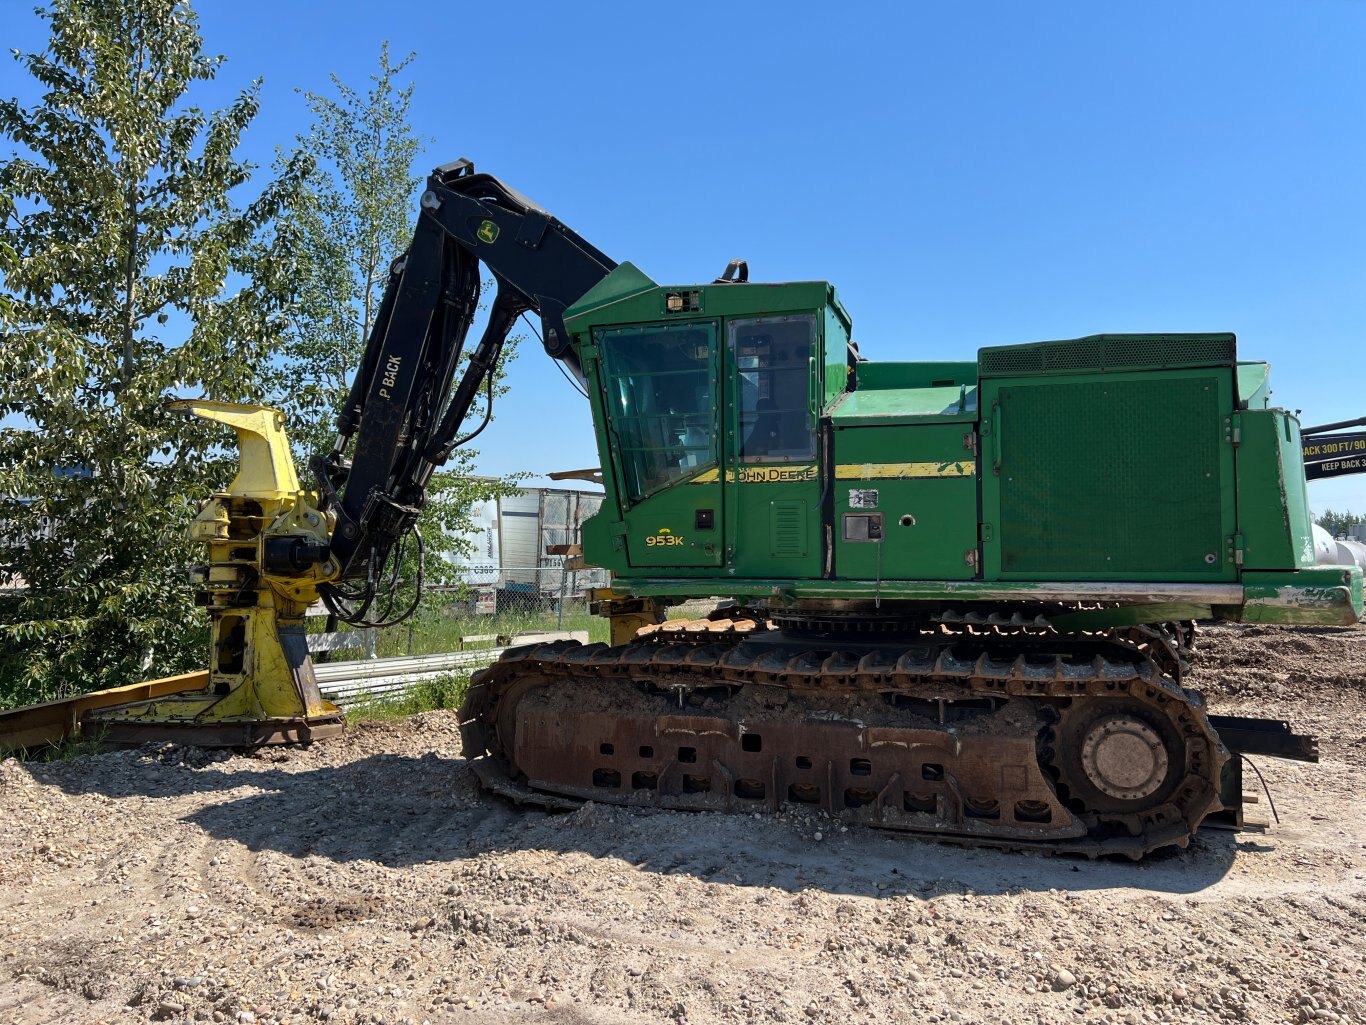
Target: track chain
<point>682,660</point>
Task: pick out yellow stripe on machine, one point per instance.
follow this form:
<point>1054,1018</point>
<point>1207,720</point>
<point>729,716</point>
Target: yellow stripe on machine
<point>788,474</point>
<point>875,471</point>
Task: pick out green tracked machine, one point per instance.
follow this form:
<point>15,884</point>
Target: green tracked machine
<point>959,597</point>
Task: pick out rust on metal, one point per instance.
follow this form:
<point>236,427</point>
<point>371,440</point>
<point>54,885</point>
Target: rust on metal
<point>103,715</point>
<point>55,721</point>
<point>255,733</point>
<point>994,732</point>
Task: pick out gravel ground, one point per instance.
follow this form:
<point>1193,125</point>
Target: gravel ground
<point>367,880</point>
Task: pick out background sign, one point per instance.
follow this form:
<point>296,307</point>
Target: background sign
<point>1334,455</point>
<point>1333,446</point>
<point>1335,467</point>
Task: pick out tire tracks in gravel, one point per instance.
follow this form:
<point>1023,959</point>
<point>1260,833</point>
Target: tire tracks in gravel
<point>369,878</point>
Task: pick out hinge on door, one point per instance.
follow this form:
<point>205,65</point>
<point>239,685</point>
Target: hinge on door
<point>987,429</point>
<point>1233,430</point>
<point>970,441</point>
<point>970,558</point>
<point>1235,549</point>
<point>986,531</point>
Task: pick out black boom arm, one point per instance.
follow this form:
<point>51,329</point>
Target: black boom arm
<point>403,417</point>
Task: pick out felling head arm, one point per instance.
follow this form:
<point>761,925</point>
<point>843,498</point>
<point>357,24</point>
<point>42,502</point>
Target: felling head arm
<point>266,468</point>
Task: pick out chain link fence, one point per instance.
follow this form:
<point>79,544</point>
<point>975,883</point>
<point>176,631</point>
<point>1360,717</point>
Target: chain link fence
<point>553,587</point>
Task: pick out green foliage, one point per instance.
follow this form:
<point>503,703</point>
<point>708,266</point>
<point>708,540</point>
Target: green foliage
<point>133,271</point>
<point>441,628</point>
<point>76,746</point>
<point>356,218</point>
<point>1337,523</point>
<point>353,220</point>
<point>423,696</point>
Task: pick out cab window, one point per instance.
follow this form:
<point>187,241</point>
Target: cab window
<point>660,389</point>
<point>774,368</point>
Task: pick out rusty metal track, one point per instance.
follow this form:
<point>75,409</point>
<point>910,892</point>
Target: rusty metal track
<point>993,741</point>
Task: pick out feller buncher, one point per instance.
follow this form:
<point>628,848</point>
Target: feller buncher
<point>960,595</point>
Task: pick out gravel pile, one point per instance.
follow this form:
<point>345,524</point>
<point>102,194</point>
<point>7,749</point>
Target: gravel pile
<point>367,880</point>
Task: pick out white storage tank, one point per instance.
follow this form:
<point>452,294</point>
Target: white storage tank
<point>1350,552</point>
<point>1331,552</point>
<point>1325,548</point>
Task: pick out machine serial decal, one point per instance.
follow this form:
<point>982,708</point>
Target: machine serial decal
<point>872,471</point>
<point>860,498</point>
<point>666,538</point>
<point>488,232</point>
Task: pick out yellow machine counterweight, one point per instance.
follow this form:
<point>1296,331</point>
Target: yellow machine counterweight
<point>266,541</point>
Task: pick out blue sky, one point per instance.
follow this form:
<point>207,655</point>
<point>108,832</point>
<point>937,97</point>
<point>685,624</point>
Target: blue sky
<point>966,174</point>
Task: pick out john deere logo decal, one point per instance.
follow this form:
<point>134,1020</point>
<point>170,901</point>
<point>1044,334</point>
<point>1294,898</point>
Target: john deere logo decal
<point>488,231</point>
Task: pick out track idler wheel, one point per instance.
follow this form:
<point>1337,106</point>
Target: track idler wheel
<point>1124,758</point>
<point>1125,765</point>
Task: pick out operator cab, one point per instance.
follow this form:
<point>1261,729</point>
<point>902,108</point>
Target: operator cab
<point>707,401</point>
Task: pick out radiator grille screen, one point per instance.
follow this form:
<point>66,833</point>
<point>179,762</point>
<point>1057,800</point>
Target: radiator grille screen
<point>1108,352</point>
<point>1111,478</point>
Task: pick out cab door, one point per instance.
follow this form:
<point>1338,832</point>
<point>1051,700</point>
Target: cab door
<point>661,387</point>
<point>770,451</point>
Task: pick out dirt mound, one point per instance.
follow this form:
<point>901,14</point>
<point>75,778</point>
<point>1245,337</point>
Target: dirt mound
<point>1283,663</point>
<point>1314,677</point>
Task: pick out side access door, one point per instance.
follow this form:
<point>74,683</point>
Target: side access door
<point>770,451</point>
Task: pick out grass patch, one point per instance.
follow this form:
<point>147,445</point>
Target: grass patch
<point>446,692</point>
<point>64,750</point>
<point>435,633</point>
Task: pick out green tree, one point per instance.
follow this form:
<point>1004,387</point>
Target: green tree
<point>1337,523</point>
<point>353,219</point>
<point>133,271</point>
<point>356,218</point>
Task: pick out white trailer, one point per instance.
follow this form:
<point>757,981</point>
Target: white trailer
<point>508,541</point>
